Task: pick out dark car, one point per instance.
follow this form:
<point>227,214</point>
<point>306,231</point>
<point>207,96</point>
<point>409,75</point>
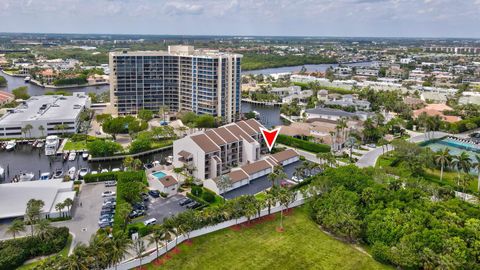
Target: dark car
<point>154,193</point>
<point>193,205</point>
<point>185,201</point>
<point>105,224</point>
<point>140,206</point>
<point>148,166</point>
<point>145,197</point>
<point>107,212</point>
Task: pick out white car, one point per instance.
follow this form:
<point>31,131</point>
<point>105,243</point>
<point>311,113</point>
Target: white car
<point>108,193</point>
<point>93,172</point>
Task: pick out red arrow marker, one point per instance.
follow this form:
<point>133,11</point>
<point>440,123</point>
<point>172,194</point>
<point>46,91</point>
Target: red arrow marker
<point>270,136</point>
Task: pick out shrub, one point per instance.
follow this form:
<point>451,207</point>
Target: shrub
<point>302,144</point>
<point>197,191</point>
<point>77,182</point>
<point>208,196</point>
<point>15,252</point>
<point>163,194</point>
<point>101,177</point>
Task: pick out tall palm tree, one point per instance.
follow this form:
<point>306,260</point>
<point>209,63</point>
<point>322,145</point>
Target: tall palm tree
<point>476,166</point>
<point>155,237</point>
<point>120,244</point>
<point>42,130</point>
<point>443,159</point>
<point>271,199</point>
<point>285,197</point>
<point>78,260</point>
<point>16,227</point>
<point>59,207</point>
<point>97,250</point>
<point>165,236</point>
<point>462,162</point>
<point>276,174</point>
<point>68,203</point>
<point>43,229</point>
<point>139,247</point>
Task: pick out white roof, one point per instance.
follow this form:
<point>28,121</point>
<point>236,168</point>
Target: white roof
<point>16,195</point>
<point>54,108</point>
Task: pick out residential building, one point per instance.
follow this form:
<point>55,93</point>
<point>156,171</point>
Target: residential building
<point>184,79</point>
<point>211,153</point>
<point>6,97</point>
<point>302,97</point>
<point>334,114</point>
<point>249,172</point>
<point>47,115</point>
<point>437,110</point>
<point>350,101</point>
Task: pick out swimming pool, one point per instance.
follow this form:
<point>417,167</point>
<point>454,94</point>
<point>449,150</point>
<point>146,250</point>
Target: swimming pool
<point>159,174</point>
<point>455,147</point>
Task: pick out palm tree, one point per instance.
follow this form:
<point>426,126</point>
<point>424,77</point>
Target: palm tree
<point>224,183</point>
<point>155,237</point>
<point>139,247</point>
<point>342,125</point>
<point>165,237</point>
<point>15,227</point>
<point>285,197</point>
<point>137,164</point>
<point>250,209</point>
<point>271,198</point>
<point>97,250</point>
<point>33,211</point>
<point>78,259</point>
<point>120,244</point>
<point>43,229</point>
<point>162,110</point>
<point>128,163</point>
<point>59,207</point>
<point>462,162</point>
<point>42,130</point>
<point>29,128</point>
<point>443,159</point>
<point>68,203</point>
<point>276,174</point>
<point>476,166</point>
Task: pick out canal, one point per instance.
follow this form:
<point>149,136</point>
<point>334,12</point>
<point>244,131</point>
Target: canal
<point>35,90</point>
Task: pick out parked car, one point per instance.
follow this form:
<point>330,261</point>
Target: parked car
<point>110,183</point>
<point>154,193</point>
<point>140,206</point>
<point>136,213</point>
<point>109,203</point>
<point>148,166</point>
<point>150,221</point>
<point>105,220</point>
<point>145,197</point>
<point>193,205</point>
<point>106,216</point>
<point>185,201</point>
<point>107,212</point>
<point>110,199</point>
<point>105,224</point>
<point>108,193</point>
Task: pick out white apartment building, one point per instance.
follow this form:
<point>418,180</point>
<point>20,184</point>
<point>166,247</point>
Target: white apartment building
<point>184,79</point>
<point>45,115</point>
<point>212,153</point>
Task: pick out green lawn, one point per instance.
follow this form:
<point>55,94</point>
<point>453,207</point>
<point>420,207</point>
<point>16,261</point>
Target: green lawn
<point>70,145</point>
<point>301,246</point>
<point>63,252</point>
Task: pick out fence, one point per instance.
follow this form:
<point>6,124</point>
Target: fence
<point>153,254</point>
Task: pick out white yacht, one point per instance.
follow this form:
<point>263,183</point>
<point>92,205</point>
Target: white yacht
<point>72,156</point>
<point>51,145</point>
<point>71,173</point>
<point>169,160</point>
<point>24,177</point>
<point>2,173</point>
<point>85,155</point>
<point>10,145</point>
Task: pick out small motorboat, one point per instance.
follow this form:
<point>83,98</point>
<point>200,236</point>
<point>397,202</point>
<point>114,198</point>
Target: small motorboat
<point>45,176</point>
<point>82,172</point>
<point>71,173</point>
<point>85,155</point>
<point>27,79</point>
<point>72,156</point>
<point>115,169</point>
<point>10,145</point>
<point>40,144</point>
<point>169,160</point>
<point>58,173</point>
<point>2,173</point>
<point>25,177</point>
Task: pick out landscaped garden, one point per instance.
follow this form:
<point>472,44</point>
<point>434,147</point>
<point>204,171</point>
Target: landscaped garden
<point>302,245</point>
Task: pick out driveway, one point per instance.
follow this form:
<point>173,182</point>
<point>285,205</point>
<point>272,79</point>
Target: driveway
<point>86,212</point>
<point>370,158</point>
<point>161,208</point>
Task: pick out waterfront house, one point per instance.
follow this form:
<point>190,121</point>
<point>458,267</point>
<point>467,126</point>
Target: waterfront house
<point>168,185</point>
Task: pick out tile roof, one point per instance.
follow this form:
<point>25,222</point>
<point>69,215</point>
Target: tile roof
<point>256,167</point>
<point>237,175</point>
<point>168,181</point>
<point>284,155</point>
<point>226,135</point>
<point>234,129</point>
<point>245,127</point>
<point>215,138</point>
<point>184,154</point>
<point>254,124</point>
<point>205,143</point>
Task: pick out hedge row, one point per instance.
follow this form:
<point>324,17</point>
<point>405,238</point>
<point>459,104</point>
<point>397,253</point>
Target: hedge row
<point>100,177</point>
<point>14,252</point>
<point>302,144</point>
<point>463,125</point>
<point>129,186</point>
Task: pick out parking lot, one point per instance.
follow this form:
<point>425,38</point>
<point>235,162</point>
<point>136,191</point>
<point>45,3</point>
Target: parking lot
<point>161,208</point>
<point>86,212</point>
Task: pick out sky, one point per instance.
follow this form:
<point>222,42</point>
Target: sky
<point>357,18</point>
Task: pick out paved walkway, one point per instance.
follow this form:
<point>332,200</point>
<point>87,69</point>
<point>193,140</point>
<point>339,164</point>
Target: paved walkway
<point>310,156</point>
<point>370,158</point>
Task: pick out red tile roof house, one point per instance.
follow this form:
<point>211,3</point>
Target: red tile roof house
<point>6,97</point>
<point>169,185</point>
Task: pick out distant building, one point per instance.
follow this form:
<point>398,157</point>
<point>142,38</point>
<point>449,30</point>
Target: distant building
<point>184,79</point>
<point>334,114</point>
<point>350,101</point>
<point>49,112</point>
<point>437,110</point>
<point>302,97</point>
<point>6,97</point>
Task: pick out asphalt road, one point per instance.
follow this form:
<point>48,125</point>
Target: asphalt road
<point>161,208</point>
